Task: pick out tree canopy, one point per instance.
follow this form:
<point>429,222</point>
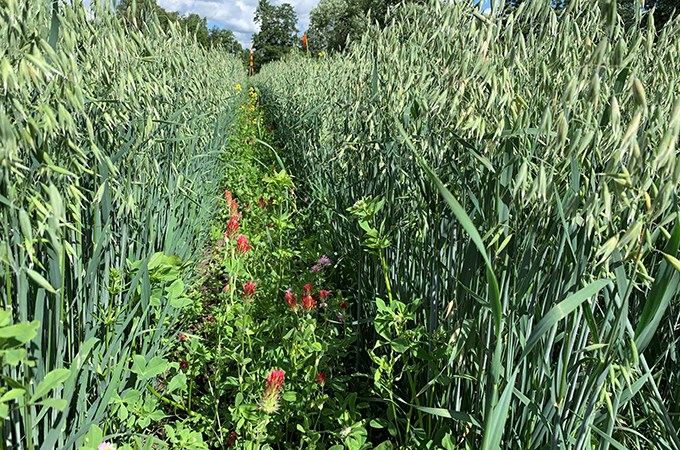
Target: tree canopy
<point>277,34</point>
<point>136,13</point>
<point>332,22</point>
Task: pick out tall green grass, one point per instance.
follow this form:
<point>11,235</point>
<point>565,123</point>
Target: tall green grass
<point>535,149</point>
<point>111,144</point>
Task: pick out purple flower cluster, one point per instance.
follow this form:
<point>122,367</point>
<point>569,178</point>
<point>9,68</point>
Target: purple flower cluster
<point>320,263</point>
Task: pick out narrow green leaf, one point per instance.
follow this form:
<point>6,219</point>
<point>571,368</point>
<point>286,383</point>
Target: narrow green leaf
<point>560,311</point>
<point>494,427</point>
<point>40,280</point>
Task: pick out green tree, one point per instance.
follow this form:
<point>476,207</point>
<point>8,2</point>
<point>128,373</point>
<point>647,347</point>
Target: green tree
<point>197,26</point>
<point>664,10</point>
<point>225,39</point>
<point>332,22</point>
<point>277,34</point>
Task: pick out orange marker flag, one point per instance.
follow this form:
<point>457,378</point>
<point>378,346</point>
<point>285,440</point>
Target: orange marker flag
<point>304,40</point>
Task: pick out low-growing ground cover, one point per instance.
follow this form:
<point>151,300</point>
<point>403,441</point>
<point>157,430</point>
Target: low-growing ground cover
<point>266,349</point>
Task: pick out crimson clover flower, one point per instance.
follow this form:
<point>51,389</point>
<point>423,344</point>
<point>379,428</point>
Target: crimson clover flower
<point>308,303</point>
<point>291,301</point>
<point>307,289</point>
<point>242,245</point>
<point>231,440</point>
<point>249,289</point>
<point>272,391</point>
<point>233,207</point>
<point>324,294</point>
<point>232,227</point>
<point>321,379</point>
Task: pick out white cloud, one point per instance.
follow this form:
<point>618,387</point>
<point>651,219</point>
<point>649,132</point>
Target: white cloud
<point>236,15</point>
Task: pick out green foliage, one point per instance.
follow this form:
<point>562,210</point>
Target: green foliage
<point>109,148</point>
<point>523,156</point>
<point>234,337</point>
<point>147,14</point>
<point>277,35</point>
<point>335,23</point>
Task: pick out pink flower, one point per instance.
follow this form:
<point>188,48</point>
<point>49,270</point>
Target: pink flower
<point>227,196</point>
<point>308,303</point>
<point>307,289</point>
<point>232,227</point>
<point>291,301</point>
<point>340,317</point>
<point>183,337</point>
<point>323,261</point>
<point>106,446</point>
<point>249,289</point>
<point>225,288</point>
<point>324,294</point>
<point>315,268</point>
<point>242,245</point>
<point>321,379</point>
<point>272,390</point>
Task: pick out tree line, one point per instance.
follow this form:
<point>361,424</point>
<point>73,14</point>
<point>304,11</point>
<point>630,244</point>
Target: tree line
<point>333,23</point>
<point>135,13</point>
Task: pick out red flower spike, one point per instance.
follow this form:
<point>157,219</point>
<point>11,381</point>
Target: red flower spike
<point>270,397</point>
<point>321,379</point>
<point>231,440</point>
<point>232,227</point>
<point>249,289</point>
<point>324,294</point>
<point>242,245</point>
<point>343,304</point>
<point>307,289</point>
<point>183,365</point>
<point>291,301</point>
<point>308,303</point>
<point>233,207</point>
